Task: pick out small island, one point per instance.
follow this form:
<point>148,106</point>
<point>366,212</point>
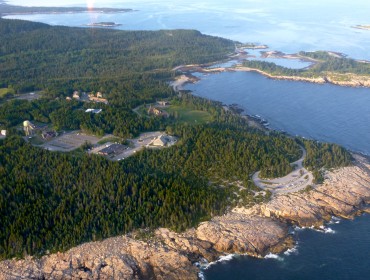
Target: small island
<point>104,24</point>
<point>363,27</point>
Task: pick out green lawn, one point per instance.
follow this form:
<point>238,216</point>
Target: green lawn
<point>109,139</point>
<point>5,91</point>
<point>36,140</point>
<point>188,115</point>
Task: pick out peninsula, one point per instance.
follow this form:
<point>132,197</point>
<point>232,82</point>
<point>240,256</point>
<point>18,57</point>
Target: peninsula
<point>161,212</point>
<point>166,254</point>
<point>327,67</point>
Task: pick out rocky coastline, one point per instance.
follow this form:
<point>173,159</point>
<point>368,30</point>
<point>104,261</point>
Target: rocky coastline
<point>347,80</point>
<point>255,231</point>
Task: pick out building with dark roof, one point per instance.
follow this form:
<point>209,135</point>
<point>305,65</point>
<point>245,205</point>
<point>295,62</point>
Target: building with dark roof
<point>113,149</point>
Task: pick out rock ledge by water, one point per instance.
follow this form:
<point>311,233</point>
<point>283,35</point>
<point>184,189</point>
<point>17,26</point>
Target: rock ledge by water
<point>256,231</point>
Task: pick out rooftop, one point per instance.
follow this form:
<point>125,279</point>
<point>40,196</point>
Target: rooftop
<point>113,149</point>
<point>95,111</point>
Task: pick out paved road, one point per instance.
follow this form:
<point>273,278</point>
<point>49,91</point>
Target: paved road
<point>295,181</point>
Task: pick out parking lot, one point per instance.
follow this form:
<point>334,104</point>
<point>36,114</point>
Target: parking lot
<point>70,141</point>
<point>138,143</point>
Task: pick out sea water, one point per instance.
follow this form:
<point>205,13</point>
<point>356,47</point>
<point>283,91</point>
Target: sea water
<point>340,254</point>
<point>323,112</point>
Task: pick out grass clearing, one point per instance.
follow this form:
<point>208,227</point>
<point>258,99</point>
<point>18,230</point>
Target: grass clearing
<point>36,140</point>
<point>188,115</point>
<point>112,139</point>
<point>6,91</point>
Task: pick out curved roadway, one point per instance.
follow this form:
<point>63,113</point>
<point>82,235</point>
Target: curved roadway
<point>295,181</point>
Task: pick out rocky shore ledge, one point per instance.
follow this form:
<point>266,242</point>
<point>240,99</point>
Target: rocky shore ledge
<point>346,80</point>
<point>168,255</point>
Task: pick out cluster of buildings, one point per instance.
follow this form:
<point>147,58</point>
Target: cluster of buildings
<point>158,111</point>
<point>83,96</point>
<point>46,134</point>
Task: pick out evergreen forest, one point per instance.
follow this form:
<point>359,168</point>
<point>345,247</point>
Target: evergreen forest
<point>52,201</point>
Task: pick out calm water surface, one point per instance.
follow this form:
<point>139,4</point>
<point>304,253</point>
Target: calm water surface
<point>323,112</point>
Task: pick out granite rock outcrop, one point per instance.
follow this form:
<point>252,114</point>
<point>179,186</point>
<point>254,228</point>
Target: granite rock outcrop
<point>169,255</point>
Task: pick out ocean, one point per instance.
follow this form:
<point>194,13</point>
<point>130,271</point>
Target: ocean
<point>326,112</point>
<point>341,252</point>
<point>322,112</point>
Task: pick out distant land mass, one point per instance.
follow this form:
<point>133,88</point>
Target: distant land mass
<point>364,27</point>
<point>16,10</point>
<point>104,24</point>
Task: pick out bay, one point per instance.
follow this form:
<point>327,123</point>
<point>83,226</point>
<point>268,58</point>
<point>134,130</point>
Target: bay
<point>323,112</point>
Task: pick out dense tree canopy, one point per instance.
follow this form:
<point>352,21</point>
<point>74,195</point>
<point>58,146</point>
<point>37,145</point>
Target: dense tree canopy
<point>35,54</point>
<point>53,201</point>
<point>325,62</point>
<point>324,156</point>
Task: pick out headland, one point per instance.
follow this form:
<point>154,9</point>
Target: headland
<point>255,231</point>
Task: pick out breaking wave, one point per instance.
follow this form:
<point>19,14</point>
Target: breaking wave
<point>274,256</point>
<point>292,251</point>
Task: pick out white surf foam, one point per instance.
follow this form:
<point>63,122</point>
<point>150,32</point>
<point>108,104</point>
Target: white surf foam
<point>221,259</point>
<point>326,230</point>
<point>297,228</point>
<point>201,275</point>
<point>226,258</point>
<point>334,220</point>
<point>274,256</point>
<point>292,251</point>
